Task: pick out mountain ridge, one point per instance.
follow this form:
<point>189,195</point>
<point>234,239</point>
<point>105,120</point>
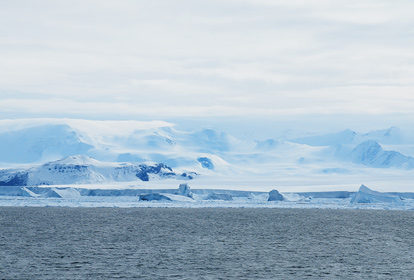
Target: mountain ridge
<point>205,151</point>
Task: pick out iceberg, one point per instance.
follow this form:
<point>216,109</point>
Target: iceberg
<point>184,190</point>
<point>366,195</point>
<point>274,195</point>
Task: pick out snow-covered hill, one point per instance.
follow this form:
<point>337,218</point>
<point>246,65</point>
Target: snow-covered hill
<point>85,170</point>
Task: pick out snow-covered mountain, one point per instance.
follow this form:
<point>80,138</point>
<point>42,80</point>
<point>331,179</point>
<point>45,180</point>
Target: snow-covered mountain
<point>85,170</point>
<point>110,148</point>
<point>372,154</point>
<point>116,142</point>
<point>363,148</point>
<point>391,135</point>
<point>41,143</point>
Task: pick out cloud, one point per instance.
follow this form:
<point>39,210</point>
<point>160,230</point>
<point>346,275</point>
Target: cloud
<point>357,100</point>
<point>107,59</point>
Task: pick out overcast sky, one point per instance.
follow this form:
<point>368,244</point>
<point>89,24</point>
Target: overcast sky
<point>228,59</point>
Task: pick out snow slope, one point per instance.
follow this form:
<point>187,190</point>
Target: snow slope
<point>41,143</point>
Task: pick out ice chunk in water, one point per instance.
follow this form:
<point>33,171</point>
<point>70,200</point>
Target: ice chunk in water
<point>274,195</point>
<point>184,190</point>
<point>366,195</point>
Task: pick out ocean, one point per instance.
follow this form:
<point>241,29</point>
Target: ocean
<point>205,243</point>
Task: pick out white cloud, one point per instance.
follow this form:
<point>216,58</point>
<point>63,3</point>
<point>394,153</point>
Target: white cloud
<point>111,59</point>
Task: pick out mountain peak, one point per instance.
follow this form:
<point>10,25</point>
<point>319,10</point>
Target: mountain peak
<point>78,159</point>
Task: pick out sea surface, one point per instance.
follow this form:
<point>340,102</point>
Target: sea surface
<point>210,243</point>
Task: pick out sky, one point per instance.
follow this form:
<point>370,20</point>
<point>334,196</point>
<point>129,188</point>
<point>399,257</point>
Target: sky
<point>245,65</point>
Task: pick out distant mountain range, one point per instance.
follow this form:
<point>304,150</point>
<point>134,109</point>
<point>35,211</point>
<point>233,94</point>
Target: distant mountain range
<point>80,151</point>
<point>348,137</point>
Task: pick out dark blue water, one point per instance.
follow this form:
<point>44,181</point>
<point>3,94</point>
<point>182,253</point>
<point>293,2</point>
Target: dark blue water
<point>151,243</point>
